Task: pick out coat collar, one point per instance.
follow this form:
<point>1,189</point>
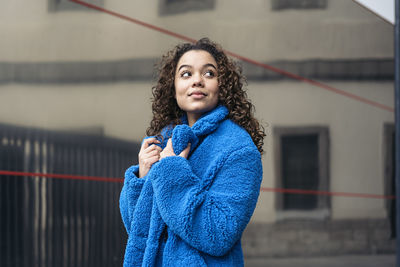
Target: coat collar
<point>209,121</point>
<point>183,134</point>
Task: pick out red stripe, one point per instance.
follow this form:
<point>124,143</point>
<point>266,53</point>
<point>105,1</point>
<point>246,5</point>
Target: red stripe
<point>263,189</point>
<point>314,192</point>
<point>64,176</point>
<point>315,83</point>
<point>265,66</point>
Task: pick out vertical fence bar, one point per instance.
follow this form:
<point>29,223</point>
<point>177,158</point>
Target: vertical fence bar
<point>68,168</point>
<point>3,204</point>
<point>397,120</point>
<point>46,199</point>
<point>101,230</point>
<point>78,207</point>
<point>50,203</point>
<point>40,194</point>
<point>85,210</point>
<point>30,201</point>
<point>9,251</point>
<point>91,211</point>
<point>62,214</point>
<point>25,206</point>
<point>18,165</point>
<point>108,207</point>
<point>57,252</point>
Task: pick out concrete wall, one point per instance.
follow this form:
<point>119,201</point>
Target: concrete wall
<point>356,139</point>
<point>123,110</point>
<point>342,30</point>
<point>317,238</point>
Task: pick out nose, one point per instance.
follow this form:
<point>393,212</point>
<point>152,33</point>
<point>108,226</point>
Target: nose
<point>198,80</point>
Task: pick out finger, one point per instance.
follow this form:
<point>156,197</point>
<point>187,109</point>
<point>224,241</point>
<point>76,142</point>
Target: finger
<point>152,148</point>
<point>150,160</point>
<point>153,159</point>
<point>151,153</point>
<point>146,166</point>
<point>169,146</point>
<point>146,142</point>
<point>169,143</point>
<point>169,149</point>
<point>167,152</point>
<point>164,154</point>
<point>185,152</point>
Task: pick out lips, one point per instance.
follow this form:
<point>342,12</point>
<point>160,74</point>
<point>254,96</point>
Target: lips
<point>197,93</point>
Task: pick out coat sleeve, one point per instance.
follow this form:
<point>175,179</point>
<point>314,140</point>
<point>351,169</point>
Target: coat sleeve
<point>211,218</point>
<point>129,195</point>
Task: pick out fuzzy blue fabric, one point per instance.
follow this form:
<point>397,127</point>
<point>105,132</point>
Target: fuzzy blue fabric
<point>203,203</point>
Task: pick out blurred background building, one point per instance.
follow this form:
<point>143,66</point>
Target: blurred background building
<point>75,89</point>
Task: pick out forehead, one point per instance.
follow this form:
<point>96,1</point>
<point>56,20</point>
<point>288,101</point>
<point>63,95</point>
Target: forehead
<point>196,58</point>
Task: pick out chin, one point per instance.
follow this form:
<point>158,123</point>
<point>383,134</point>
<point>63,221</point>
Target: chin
<point>199,110</point>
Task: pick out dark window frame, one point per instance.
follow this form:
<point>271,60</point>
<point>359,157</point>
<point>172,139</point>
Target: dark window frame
<point>278,5</point>
<point>66,5</point>
<point>173,7</point>
<point>323,209</point>
<point>389,168</point>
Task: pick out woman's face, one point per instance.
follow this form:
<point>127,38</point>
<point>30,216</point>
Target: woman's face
<point>196,83</point>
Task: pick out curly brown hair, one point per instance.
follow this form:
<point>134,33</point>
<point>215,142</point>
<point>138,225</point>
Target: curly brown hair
<point>231,92</point>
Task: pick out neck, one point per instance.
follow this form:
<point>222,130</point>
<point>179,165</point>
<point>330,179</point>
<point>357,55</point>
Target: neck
<point>192,118</point>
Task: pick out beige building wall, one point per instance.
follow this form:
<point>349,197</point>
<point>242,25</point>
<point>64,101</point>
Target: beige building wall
<point>356,140</point>
<point>250,28</point>
<point>122,110</point>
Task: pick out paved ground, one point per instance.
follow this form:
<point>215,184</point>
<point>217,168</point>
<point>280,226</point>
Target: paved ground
<point>334,261</point>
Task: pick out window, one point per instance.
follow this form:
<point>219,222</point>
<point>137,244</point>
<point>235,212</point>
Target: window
<point>171,7</point>
<point>299,170</point>
<point>390,166</point>
<point>66,5</point>
<point>302,163</point>
<point>298,4</point>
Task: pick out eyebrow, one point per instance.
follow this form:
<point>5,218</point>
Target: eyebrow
<point>205,65</point>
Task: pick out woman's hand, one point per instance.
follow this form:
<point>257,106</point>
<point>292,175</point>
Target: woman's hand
<point>169,151</point>
<point>148,155</point>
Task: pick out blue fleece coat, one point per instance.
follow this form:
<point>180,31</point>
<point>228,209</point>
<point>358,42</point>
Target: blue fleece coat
<point>192,212</point>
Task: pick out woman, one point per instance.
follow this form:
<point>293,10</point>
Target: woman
<point>195,188</point>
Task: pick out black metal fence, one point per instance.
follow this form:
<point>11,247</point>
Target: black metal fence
<point>61,222</point>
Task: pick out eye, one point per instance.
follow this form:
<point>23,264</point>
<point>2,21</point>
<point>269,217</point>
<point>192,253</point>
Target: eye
<point>186,74</point>
<point>209,73</point>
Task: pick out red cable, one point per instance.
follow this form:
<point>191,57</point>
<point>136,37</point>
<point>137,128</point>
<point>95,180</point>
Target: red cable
<point>264,189</point>
<point>64,176</point>
<point>265,66</point>
<point>314,192</point>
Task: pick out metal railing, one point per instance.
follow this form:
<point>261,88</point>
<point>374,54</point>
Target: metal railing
<point>61,222</point>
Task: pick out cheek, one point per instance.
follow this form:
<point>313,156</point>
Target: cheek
<point>176,89</point>
<point>216,89</point>
<point>179,87</point>
<point>179,94</point>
